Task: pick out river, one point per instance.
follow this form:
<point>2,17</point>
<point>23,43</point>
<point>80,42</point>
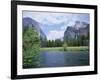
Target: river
<point>64,58</point>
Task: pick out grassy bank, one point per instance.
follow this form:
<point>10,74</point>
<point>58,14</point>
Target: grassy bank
<point>76,48</point>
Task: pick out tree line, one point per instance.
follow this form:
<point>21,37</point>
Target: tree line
<point>54,43</point>
<point>80,41</point>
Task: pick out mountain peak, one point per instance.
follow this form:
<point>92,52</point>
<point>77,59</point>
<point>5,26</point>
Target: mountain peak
<point>79,24</point>
<point>79,29</point>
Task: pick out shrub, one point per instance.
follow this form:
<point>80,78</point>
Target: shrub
<point>65,46</point>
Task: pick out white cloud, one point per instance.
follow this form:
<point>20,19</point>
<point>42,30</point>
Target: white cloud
<point>55,34</point>
<point>56,18</point>
<point>48,18</point>
<point>64,27</point>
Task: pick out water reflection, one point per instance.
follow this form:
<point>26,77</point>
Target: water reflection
<point>61,58</point>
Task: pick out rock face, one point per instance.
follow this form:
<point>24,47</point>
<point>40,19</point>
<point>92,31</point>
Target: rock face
<point>30,22</point>
<point>79,29</point>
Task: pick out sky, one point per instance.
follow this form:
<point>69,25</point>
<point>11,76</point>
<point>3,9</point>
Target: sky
<point>54,24</point>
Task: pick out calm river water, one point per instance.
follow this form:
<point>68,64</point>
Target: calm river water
<point>62,58</point>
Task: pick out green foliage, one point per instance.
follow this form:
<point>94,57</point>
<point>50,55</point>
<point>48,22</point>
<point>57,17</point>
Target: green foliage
<point>31,48</point>
<point>49,43</point>
<point>80,41</point>
<point>58,43</point>
<point>54,43</point>
<point>65,46</point>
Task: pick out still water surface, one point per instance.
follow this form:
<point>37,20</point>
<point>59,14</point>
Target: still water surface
<point>62,58</point>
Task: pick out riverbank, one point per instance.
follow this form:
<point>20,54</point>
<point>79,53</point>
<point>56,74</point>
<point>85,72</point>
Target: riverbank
<point>76,48</point>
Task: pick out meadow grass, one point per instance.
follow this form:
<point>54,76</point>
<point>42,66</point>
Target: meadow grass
<point>76,48</point>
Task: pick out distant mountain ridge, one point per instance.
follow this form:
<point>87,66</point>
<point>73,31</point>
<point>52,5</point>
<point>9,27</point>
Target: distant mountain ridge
<point>31,22</point>
<point>79,29</point>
